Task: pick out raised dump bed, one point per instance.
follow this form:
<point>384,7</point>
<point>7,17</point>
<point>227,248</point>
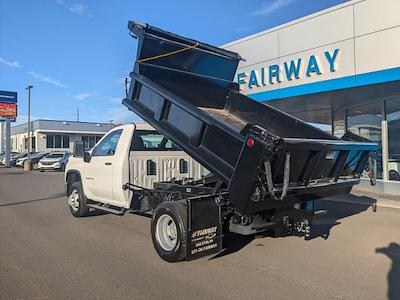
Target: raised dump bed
<point>262,157</point>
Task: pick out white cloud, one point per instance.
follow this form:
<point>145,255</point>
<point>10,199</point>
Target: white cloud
<point>83,96</point>
<point>122,115</point>
<point>60,2</point>
<point>12,64</point>
<point>47,79</point>
<point>80,9</point>
<point>116,100</point>
<point>270,7</point>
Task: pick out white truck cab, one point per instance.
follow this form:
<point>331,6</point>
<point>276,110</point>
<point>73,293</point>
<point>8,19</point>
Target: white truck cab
<point>133,153</point>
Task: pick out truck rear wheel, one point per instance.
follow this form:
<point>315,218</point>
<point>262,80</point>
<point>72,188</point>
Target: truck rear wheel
<point>77,200</point>
<point>169,231</point>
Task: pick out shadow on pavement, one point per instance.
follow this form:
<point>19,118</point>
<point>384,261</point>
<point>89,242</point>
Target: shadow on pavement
<point>393,252</point>
<point>337,211</point>
<point>51,197</point>
<point>96,212</point>
<point>321,227</point>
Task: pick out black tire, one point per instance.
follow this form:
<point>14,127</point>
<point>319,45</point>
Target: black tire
<point>81,210</point>
<point>41,170</point>
<point>177,212</point>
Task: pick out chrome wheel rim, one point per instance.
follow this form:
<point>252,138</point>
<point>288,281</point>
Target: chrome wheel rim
<point>166,232</point>
<point>73,200</point>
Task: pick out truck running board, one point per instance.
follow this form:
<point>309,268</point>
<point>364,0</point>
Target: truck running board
<point>107,209</point>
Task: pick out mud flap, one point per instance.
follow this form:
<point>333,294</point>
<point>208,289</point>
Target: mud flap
<point>204,227</point>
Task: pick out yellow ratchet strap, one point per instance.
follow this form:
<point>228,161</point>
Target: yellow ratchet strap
<point>168,54</point>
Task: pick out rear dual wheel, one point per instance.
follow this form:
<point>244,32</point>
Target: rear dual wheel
<point>169,231</point>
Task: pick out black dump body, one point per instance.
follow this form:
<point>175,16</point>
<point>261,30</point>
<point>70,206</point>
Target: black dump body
<point>263,156</point>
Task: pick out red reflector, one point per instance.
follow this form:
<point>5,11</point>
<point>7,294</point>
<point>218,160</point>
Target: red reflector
<point>250,142</point>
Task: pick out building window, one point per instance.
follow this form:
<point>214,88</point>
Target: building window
<point>57,141</point>
<point>393,124</point>
<point>50,141</point>
<point>65,141</point>
<point>90,140</point>
<point>366,121</point>
<point>33,142</point>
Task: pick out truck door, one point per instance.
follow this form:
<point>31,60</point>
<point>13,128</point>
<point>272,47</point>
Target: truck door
<point>98,179</point>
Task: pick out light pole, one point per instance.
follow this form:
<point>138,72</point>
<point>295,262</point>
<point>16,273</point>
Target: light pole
<point>29,87</point>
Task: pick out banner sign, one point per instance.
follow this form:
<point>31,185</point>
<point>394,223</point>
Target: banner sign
<point>8,110</point>
<point>8,106</point>
<point>4,119</point>
<point>8,97</point>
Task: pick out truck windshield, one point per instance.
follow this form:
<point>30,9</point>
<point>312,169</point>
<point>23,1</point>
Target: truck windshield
<point>151,140</point>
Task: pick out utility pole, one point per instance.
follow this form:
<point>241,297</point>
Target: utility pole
<point>77,113</point>
<point>29,87</point>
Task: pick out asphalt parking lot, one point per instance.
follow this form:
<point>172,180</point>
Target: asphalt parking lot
<point>45,253</point>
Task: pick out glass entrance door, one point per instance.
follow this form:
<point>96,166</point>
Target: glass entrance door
<point>365,121</point>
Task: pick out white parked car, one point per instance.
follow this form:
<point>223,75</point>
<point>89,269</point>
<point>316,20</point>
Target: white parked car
<point>13,158</point>
<point>54,161</point>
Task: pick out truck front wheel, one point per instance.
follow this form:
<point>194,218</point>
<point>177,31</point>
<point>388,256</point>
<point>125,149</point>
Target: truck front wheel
<point>77,200</point>
<point>169,231</point>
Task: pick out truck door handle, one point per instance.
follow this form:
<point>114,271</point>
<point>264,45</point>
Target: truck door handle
<point>108,164</point>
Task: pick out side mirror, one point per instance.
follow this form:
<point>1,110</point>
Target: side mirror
<point>86,156</point>
<point>78,150</point>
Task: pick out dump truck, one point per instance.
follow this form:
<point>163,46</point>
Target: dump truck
<point>265,168</point>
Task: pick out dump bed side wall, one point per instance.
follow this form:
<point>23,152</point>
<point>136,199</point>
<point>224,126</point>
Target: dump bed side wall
<point>205,142</point>
<point>201,91</point>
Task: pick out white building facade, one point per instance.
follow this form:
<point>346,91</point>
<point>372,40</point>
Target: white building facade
<point>54,135</point>
<point>339,67</point>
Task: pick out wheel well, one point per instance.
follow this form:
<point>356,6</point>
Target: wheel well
<point>72,176</point>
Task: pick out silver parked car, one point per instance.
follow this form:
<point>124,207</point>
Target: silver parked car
<point>54,161</point>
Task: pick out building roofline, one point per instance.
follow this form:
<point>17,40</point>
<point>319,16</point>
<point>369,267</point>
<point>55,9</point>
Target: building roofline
<point>62,121</point>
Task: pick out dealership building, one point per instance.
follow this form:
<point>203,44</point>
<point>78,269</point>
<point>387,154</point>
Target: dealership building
<point>55,135</point>
<point>338,68</point>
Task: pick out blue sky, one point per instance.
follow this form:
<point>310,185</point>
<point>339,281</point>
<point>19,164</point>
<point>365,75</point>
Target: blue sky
<point>76,53</point>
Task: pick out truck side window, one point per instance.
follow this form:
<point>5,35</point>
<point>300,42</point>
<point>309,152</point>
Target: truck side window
<point>108,146</point>
<point>151,140</point>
